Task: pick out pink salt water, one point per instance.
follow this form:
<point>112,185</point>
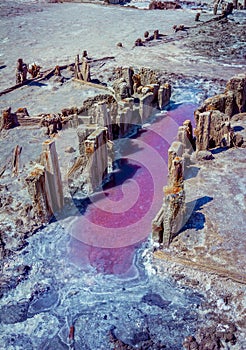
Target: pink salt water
<point>118,218</point>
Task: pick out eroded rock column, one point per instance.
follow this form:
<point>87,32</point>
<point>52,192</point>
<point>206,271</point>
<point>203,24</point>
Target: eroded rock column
<point>146,106</point>
<point>185,136</point>
<point>103,118</point>
<point>174,202</point>
<point>97,157</point>
<point>231,102</point>
<point>170,218</point>
<point>36,185</point>
<point>212,130</point>
<point>53,181</point>
<point>164,95</point>
<point>8,120</point>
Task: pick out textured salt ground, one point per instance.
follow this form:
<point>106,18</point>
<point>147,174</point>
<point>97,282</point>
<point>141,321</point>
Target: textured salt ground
<point>215,231</point>
<point>45,255</point>
<point>60,31</point>
<point>137,307</point>
<point>85,298</point>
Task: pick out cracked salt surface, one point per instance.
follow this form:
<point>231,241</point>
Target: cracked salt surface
<point>59,293</point>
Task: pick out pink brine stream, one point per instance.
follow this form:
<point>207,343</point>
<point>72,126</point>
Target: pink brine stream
<point>118,218</point>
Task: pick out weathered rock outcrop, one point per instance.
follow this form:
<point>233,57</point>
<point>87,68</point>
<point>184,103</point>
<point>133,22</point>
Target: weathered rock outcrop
<point>9,120</point>
<point>53,181</point>
<point>97,157</point>
<point>213,130</point>
<point>231,102</point>
<point>213,127</point>
<point>144,86</point>
<point>45,185</point>
<point>82,70</point>
<point>52,122</point>
<point>163,5</point>
<point>170,219</point>
<point>37,191</point>
<point>164,95</point>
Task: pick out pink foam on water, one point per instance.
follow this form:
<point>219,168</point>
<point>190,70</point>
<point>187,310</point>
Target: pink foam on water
<point>119,217</point>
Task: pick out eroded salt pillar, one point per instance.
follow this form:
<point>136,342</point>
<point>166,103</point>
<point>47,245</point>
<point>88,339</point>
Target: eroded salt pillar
<point>212,130</point>
<point>8,120</point>
<point>237,85</point>
<point>86,69</point>
<point>53,181</point>
<point>103,118</point>
<point>156,34</point>
<point>125,120</point>
<point>203,131</point>
<point>174,202</point>
<point>164,95</point>
<point>146,106</point>
<point>185,135</point>
<point>97,157</point>
<point>128,73</point>
<point>83,131</point>
<point>77,71</point>
<point>175,150</point>
<point>37,190</point>
<point>171,217</point>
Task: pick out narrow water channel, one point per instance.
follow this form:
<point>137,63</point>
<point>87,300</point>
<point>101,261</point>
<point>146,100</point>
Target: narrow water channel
<point>115,220</point>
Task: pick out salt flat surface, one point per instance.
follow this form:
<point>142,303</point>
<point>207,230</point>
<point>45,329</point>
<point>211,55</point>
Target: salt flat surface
<point>57,32</point>
<point>58,293</point>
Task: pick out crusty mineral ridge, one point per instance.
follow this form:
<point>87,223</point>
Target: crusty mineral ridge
<point>212,130</point>
<point>213,117</point>
<point>143,85</point>
<point>37,191</point>
<point>237,85</point>
<point>9,120</point>
<point>82,70</point>
<point>231,102</point>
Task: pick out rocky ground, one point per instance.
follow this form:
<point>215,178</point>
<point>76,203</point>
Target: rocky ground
<point>209,251</point>
<point>208,256</point>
